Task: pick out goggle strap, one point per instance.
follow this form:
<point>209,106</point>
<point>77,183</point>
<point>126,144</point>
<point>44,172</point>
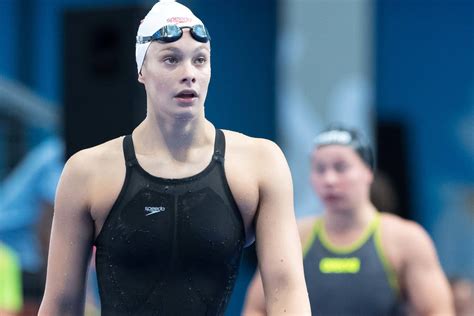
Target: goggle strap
<point>144,39</point>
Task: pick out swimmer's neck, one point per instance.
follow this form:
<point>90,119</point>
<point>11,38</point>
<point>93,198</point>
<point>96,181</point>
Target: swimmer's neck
<point>349,220</point>
<point>176,137</point>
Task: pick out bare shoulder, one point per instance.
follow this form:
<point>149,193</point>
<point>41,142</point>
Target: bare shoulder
<point>260,145</point>
<point>86,166</point>
<point>79,179</point>
<point>409,237</point>
<point>401,228</point>
<point>96,157</point>
<point>260,154</point>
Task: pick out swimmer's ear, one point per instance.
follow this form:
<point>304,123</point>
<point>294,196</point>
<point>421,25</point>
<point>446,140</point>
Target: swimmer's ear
<point>140,77</point>
<point>371,177</point>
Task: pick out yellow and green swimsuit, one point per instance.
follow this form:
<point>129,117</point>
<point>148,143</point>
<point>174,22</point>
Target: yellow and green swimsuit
<point>352,280</point>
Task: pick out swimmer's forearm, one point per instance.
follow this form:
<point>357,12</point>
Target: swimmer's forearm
<point>60,307</point>
<point>289,300</point>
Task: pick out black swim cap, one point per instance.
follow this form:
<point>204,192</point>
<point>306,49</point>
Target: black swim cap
<point>340,135</point>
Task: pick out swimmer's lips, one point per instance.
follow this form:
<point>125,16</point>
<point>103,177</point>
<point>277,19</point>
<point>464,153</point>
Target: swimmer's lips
<point>331,197</point>
<point>186,96</point>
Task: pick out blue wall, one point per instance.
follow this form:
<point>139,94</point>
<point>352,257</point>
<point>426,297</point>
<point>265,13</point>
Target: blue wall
<point>425,81</point>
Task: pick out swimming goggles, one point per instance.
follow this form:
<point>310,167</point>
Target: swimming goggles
<point>172,33</point>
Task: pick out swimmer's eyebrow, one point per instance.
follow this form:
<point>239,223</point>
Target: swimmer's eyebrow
<point>175,49</point>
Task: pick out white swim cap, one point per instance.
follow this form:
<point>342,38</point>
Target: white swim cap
<point>337,134</point>
<point>164,12</point>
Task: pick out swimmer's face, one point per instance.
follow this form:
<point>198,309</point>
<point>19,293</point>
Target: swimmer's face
<point>339,177</point>
<point>176,77</point>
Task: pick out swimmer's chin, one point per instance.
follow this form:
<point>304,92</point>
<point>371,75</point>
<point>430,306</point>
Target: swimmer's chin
<point>185,117</point>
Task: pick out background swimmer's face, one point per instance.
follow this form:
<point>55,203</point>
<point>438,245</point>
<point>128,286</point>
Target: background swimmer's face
<point>340,177</point>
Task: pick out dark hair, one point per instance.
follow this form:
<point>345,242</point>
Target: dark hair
<point>337,134</point>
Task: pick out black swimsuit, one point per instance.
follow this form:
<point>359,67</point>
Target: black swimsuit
<point>170,246</point>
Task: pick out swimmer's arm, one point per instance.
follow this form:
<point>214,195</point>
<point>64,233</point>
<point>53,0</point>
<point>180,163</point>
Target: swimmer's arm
<point>254,304</point>
<point>425,283</point>
<point>277,241</point>
<point>70,244</point>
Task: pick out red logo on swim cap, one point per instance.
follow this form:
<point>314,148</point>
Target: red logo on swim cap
<point>178,20</point>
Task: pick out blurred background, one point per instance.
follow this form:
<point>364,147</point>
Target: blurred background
<point>401,71</point>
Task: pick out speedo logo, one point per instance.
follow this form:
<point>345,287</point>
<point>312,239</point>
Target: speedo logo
<point>339,265</point>
<point>178,20</point>
<point>150,210</point>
